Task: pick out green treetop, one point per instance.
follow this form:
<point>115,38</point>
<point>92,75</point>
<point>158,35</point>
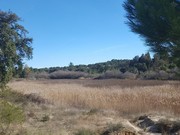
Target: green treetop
<point>14,45</point>
<point>158,23</point>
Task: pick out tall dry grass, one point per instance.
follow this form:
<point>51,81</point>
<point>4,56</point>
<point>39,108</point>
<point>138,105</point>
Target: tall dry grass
<point>162,97</point>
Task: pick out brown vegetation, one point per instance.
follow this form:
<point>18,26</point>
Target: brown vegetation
<point>125,96</point>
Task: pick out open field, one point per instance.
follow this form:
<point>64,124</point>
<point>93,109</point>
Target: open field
<point>97,104</point>
<point>125,96</point>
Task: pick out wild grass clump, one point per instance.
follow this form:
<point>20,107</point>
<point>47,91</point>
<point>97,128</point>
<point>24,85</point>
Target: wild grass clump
<point>93,111</point>
<point>113,128</point>
<point>45,118</point>
<point>12,96</point>
<point>35,98</point>
<point>85,132</point>
<point>18,98</point>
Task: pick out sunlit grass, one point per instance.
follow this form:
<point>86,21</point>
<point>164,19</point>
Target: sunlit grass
<point>133,99</point>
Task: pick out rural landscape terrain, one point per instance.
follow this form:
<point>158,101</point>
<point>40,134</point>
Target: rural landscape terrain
<point>99,107</point>
<point>115,87</point>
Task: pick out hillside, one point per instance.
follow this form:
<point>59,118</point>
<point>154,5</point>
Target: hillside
<point>140,67</point>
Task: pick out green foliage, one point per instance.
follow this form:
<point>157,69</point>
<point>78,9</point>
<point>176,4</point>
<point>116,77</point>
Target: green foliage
<point>9,114</point>
<point>71,66</point>
<point>143,67</point>
<point>14,46</point>
<point>25,72</point>
<point>156,21</point>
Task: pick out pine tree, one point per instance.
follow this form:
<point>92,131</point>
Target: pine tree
<point>158,23</point>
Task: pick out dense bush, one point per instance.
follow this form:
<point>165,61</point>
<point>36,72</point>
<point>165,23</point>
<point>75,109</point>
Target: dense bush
<point>67,75</point>
<point>41,75</point>
<point>128,75</point>
<point>109,75</point>
<point>117,74</point>
<point>159,75</point>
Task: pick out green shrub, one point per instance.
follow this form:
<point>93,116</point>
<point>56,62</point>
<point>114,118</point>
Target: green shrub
<point>9,114</point>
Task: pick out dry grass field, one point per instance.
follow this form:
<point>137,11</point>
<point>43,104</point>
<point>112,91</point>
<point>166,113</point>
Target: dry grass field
<point>96,104</point>
<point>125,96</point>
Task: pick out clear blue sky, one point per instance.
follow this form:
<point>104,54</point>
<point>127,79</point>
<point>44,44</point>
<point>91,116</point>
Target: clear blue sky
<point>78,31</point>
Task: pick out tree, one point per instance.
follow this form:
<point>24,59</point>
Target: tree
<point>14,45</point>
<point>26,71</point>
<point>158,23</point>
<point>71,66</point>
<point>146,59</point>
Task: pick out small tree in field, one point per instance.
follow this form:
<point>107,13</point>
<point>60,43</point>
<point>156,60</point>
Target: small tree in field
<point>14,45</point>
<point>26,71</point>
<point>158,22</point>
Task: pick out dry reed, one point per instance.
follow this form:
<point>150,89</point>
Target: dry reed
<point>164,97</point>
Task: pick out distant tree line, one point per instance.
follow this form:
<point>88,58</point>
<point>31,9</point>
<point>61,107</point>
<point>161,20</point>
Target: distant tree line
<point>143,67</point>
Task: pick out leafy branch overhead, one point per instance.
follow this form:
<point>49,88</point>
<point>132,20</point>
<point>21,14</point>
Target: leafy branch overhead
<point>158,23</point>
<point>14,45</point>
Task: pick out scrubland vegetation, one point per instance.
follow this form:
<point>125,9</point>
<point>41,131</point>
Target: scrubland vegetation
<point>91,106</point>
<point>140,67</point>
<point>139,103</point>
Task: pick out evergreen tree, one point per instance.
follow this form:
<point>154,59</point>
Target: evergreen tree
<point>158,23</point>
